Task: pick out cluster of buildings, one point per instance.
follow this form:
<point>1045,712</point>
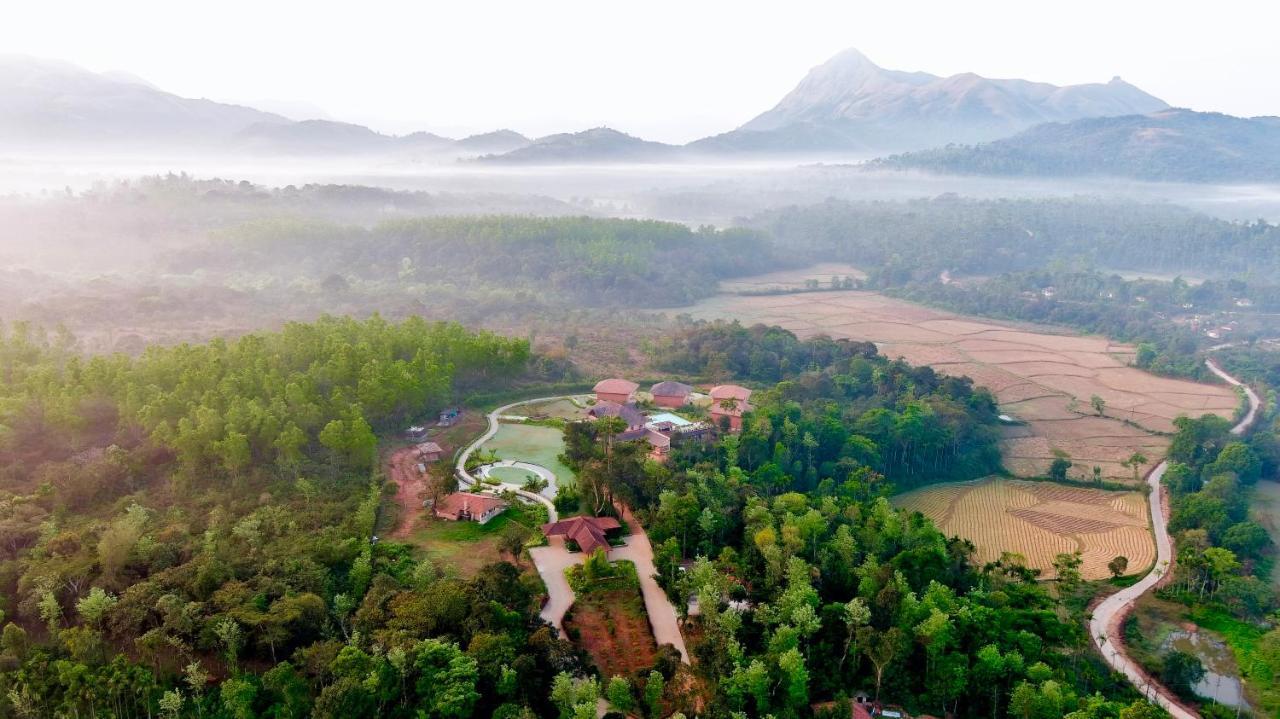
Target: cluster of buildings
<point>616,397</point>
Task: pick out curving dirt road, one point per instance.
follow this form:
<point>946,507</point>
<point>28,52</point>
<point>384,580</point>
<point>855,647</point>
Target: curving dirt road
<point>1105,623</point>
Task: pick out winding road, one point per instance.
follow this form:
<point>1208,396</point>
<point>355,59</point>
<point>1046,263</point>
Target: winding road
<point>1105,623</point>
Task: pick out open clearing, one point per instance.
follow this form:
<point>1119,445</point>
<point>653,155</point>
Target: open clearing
<point>467,546</point>
<point>558,408</point>
<point>1040,520</point>
<point>1041,377</point>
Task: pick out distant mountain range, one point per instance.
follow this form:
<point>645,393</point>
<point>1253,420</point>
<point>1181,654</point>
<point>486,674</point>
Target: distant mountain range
<point>600,144</point>
<point>1171,145</point>
<point>850,103</point>
<point>48,103</point>
<point>847,105</point>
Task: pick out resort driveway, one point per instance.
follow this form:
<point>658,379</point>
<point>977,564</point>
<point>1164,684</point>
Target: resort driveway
<point>663,619</point>
<point>551,562</point>
<point>553,559</point>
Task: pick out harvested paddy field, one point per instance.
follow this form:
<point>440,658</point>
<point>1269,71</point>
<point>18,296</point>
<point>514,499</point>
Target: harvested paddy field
<point>1039,375</point>
<point>1040,520</point>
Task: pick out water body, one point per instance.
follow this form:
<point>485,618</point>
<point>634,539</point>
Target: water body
<point>1221,681</point>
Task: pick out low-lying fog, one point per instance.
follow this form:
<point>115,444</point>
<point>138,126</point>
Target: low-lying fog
<point>695,192</point>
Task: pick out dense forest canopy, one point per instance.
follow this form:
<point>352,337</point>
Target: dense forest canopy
<point>898,241</point>
<point>188,532</point>
<point>579,259</point>
<point>810,585</point>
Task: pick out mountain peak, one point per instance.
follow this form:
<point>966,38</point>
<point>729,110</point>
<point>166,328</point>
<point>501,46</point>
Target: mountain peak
<point>859,104</point>
<point>850,58</point>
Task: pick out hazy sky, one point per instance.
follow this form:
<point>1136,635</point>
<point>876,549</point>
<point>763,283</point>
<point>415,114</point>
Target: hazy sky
<point>671,71</point>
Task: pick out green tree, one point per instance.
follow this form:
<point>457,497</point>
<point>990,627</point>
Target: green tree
<point>447,680</point>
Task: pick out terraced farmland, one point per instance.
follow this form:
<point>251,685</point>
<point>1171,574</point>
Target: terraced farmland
<point>1039,375</point>
<point>1040,520</point>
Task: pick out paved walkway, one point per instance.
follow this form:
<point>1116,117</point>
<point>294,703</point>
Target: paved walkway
<point>1105,625</point>
<point>662,614</point>
<point>551,562</point>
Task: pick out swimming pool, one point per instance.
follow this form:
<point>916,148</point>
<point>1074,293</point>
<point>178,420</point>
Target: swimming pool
<point>674,419</point>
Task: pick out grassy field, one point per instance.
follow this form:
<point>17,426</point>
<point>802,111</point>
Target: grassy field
<point>1040,520</point>
<point>1266,511</point>
<point>468,546</point>
<point>511,475</point>
<point>560,408</point>
<point>531,443</point>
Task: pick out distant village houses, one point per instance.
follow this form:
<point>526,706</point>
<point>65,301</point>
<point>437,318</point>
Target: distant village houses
<point>616,397</point>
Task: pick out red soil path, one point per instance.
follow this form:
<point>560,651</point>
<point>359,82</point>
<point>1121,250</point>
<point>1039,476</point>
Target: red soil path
<point>403,470</point>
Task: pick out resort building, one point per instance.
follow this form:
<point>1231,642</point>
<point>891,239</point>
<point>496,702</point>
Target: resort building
<point>429,452</point>
<point>617,390</point>
<point>589,533</point>
<point>728,404</point>
<point>634,418</point>
<point>467,506</point>
<point>671,394</point>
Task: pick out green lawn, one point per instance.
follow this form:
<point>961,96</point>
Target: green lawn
<point>469,546</point>
<point>561,408</point>
<point>511,475</point>
<point>534,444</point>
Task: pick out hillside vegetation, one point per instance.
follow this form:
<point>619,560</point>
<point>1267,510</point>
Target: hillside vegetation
<point>1174,145</point>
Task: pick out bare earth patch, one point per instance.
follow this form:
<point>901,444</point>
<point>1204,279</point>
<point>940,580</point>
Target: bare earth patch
<point>1040,520</point>
<point>1037,374</point>
<point>610,623</point>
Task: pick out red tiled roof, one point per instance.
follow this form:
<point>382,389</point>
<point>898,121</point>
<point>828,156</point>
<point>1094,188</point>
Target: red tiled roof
<point>730,391</point>
<point>629,414</point>
<point>670,389</point>
<point>466,502</point>
<point>614,385</point>
<point>588,532</point>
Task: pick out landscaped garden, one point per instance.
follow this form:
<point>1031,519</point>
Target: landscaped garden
<point>530,443</point>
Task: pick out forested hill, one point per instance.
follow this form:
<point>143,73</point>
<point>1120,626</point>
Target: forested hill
<point>1173,145</point>
<point>835,409</point>
<point>919,239</point>
<point>597,262</point>
<point>187,534</point>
